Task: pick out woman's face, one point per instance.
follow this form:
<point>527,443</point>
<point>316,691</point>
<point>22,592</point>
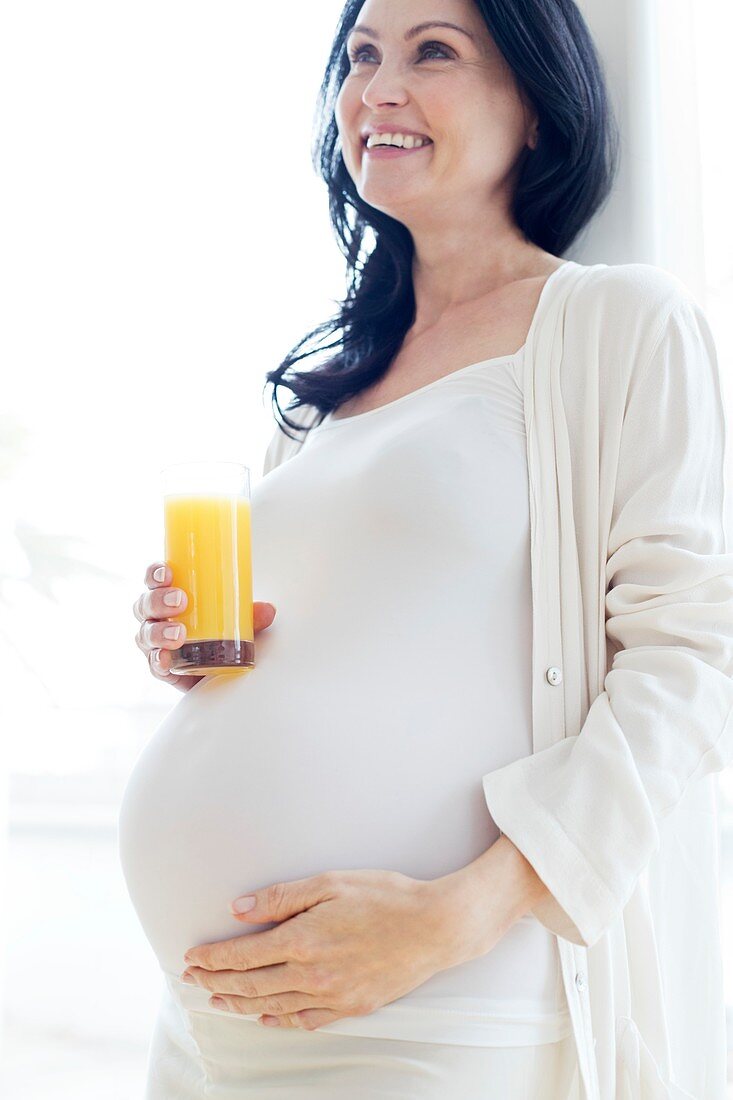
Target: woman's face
<point>453,87</point>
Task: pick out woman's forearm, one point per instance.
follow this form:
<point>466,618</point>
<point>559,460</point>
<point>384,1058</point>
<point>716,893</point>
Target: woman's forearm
<point>529,887</point>
<point>481,901</point>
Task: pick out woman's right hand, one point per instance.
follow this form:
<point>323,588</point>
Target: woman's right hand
<point>151,610</point>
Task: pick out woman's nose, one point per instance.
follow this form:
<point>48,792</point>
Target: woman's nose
<point>387,86</point>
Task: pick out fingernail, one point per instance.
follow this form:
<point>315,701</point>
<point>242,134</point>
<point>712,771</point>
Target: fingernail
<point>272,606</point>
<point>158,665</point>
<point>159,574</point>
<point>172,632</point>
<point>173,599</point>
<point>187,977</point>
<point>243,905</point>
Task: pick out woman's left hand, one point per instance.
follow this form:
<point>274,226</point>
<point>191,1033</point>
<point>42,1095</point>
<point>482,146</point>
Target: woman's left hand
<point>349,942</point>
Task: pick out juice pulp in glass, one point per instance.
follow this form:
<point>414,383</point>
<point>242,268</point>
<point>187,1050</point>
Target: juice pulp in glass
<point>208,546</point>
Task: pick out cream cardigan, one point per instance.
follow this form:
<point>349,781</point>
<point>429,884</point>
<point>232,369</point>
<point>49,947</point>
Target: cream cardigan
<point>632,587</point>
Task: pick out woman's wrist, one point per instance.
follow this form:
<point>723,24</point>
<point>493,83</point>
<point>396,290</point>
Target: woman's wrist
<point>478,903</point>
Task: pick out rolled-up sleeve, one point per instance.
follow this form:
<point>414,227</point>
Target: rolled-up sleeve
<point>585,811</point>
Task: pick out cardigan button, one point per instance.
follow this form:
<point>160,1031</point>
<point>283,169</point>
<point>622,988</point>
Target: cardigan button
<point>580,980</point>
<point>553,675</point>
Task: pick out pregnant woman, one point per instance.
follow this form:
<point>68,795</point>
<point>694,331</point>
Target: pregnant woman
<point>402,858</point>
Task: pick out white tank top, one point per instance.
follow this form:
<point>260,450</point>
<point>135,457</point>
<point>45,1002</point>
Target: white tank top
<point>395,545</point>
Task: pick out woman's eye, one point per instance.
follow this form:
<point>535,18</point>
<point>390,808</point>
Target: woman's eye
<point>355,55</point>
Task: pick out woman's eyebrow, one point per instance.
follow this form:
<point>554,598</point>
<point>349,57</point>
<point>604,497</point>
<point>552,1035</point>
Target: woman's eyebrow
<point>413,30</point>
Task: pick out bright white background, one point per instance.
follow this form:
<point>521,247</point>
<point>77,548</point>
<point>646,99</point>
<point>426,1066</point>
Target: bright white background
<point>165,243</point>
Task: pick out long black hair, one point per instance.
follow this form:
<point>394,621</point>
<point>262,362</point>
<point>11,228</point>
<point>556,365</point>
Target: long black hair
<point>562,183</point>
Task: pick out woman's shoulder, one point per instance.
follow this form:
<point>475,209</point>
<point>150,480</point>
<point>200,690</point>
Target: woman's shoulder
<point>640,289</point>
<point>622,309</point>
<point>283,446</point>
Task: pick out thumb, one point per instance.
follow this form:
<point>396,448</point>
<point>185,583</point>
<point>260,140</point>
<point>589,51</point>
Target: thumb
<point>281,901</point>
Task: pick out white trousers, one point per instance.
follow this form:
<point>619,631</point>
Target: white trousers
<point>205,1056</point>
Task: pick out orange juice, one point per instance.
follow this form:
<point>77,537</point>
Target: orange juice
<point>209,549</point>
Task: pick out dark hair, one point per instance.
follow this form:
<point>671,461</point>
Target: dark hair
<point>562,183</point>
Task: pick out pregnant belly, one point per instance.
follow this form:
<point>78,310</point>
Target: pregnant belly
<point>212,810</point>
<point>234,792</point>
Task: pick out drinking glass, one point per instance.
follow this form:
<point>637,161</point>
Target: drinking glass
<point>208,546</point>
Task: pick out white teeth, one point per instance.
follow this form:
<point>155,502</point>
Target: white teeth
<point>402,141</point>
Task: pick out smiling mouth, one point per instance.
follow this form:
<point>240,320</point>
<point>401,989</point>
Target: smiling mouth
<point>384,145</point>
